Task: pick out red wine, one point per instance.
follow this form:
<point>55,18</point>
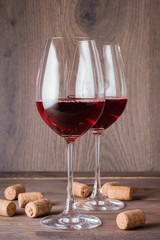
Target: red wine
<point>112,110</point>
<point>70,118</point>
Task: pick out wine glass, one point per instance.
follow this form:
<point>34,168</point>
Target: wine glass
<point>115,102</point>
<point>70,99</point>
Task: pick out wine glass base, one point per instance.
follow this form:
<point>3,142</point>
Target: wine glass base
<point>66,222</point>
<point>99,204</point>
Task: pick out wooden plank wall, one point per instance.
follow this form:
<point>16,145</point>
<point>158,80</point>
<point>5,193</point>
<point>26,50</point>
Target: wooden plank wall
<point>26,142</point>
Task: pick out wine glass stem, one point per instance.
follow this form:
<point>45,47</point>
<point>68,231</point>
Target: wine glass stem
<point>70,208</point>
<point>97,190</point>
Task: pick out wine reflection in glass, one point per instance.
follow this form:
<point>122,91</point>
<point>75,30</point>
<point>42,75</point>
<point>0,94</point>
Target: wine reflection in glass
<point>115,103</point>
<point>70,99</point>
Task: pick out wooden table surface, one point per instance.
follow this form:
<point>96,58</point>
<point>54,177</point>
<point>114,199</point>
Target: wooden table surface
<point>146,197</point>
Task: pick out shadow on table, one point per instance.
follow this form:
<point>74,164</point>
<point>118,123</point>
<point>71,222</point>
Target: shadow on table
<point>151,225</point>
<point>145,193</point>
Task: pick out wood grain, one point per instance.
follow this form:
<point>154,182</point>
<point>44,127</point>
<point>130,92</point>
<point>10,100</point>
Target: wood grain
<point>146,197</point>
<point>78,175</point>
<point>26,142</point>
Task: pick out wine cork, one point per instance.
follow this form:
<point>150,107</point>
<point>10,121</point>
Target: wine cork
<point>38,208</point>
<point>24,198</point>
<point>107,185</point>
<point>7,208</point>
<point>120,192</point>
<point>80,189</point>
<point>130,219</point>
<point>11,193</point>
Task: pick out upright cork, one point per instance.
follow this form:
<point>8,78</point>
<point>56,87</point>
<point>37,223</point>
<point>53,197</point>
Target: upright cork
<point>24,198</point>
<point>130,219</point>
<point>38,208</point>
<point>120,192</point>
<point>11,193</point>
<point>80,189</point>
<point>107,185</point>
<point>7,208</point>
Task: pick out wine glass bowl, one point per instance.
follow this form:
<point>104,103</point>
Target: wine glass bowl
<point>115,103</point>
<point>70,99</point>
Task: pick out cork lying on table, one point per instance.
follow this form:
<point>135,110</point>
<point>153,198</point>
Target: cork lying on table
<point>120,192</point>
<point>107,185</point>
<point>80,189</point>
<point>24,198</point>
<point>7,208</point>
<point>130,219</point>
<point>38,208</point>
<point>11,192</point>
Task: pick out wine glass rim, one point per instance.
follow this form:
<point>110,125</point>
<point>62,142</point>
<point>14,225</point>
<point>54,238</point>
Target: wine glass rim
<point>81,38</point>
<point>108,43</point>
<point>78,38</point>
